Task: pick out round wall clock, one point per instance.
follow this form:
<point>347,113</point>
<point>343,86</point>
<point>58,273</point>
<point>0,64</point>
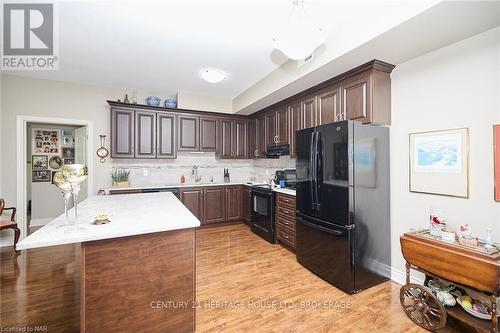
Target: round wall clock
<point>102,152</point>
<point>55,162</point>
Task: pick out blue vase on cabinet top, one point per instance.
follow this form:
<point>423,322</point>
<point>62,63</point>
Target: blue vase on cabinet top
<point>170,103</point>
<point>153,101</point>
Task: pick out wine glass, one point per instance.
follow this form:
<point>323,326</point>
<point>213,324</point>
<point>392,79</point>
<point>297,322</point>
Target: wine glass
<point>75,174</point>
<point>65,186</point>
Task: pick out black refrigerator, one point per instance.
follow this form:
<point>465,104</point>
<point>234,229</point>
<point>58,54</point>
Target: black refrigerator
<point>343,204</point>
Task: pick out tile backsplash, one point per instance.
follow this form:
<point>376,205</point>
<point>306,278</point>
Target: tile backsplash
<point>169,172</point>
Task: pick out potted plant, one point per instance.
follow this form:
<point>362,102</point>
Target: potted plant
<point>120,178</point>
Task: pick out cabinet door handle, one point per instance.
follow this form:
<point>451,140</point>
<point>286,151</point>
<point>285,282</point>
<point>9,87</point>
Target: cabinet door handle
<point>284,236</point>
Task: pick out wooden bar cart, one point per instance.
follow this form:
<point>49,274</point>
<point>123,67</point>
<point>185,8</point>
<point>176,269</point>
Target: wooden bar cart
<point>474,268</point>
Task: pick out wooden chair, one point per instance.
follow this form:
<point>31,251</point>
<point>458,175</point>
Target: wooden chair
<point>12,224</point>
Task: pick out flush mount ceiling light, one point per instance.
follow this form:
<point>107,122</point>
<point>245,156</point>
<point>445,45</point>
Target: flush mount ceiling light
<point>300,36</point>
<point>212,75</point>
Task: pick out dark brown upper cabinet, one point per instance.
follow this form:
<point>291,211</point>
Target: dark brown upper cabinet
<point>271,134</point>
<point>165,136</point>
<point>226,145</point>
<point>240,135</point>
<point>308,110</point>
<point>366,97</point>
<point>145,134</point>
<point>233,139</point>
<point>295,124</point>
<point>188,129</point>
<point>329,106</point>
<point>251,144</point>
<point>260,137</point>
<point>362,93</point>
<point>122,133</point>
<point>214,204</point>
<point>234,211</point>
<point>208,134</point>
<point>357,97</point>
<point>282,126</point>
<point>277,124</point>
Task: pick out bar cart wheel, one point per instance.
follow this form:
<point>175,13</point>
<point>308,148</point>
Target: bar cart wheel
<point>422,307</point>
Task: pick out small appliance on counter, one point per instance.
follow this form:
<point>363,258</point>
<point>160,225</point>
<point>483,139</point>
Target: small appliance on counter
<point>226,176</point>
<point>287,177</point>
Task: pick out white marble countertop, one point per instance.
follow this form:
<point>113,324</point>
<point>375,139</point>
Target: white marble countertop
<point>285,191</point>
<point>130,215</point>
<point>147,187</point>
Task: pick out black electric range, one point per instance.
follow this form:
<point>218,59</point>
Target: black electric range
<point>262,212</point>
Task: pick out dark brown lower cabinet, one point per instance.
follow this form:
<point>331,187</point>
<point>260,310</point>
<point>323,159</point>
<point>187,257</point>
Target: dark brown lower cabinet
<point>246,204</point>
<point>233,203</point>
<point>285,220</point>
<point>214,205</point>
<point>217,204</point>
<point>192,198</point>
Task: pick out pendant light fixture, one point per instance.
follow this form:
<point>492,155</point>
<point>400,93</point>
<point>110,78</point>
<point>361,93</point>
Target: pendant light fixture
<point>300,36</point>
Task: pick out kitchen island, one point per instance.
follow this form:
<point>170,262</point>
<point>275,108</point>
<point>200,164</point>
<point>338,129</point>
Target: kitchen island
<point>138,271</point>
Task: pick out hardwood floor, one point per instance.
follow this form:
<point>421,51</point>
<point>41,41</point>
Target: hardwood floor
<point>41,287</point>
<point>234,266</point>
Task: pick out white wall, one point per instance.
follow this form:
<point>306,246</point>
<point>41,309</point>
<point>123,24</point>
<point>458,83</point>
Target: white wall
<point>191,101</point>
<point>456,86</point>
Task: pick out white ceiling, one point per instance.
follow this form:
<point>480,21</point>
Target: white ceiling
<point>161,47</point>
<point>444,23</point>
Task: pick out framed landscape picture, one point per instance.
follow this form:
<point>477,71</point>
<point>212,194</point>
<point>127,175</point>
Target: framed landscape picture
<point>439,162</point>
<point>496,150</point>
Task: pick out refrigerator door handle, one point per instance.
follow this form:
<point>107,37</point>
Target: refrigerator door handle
<point>320,228</point>
<point>312,173</point>
<point>317,169</point>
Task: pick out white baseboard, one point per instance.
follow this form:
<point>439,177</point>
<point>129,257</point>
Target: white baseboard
<point>399,277</point>
<point>40,222</point>
<point>7,240</point>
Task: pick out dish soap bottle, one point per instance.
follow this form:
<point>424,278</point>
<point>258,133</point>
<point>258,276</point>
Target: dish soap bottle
<point>183,179</point>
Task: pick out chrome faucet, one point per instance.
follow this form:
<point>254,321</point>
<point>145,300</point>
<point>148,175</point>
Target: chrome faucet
<point>194,172</point>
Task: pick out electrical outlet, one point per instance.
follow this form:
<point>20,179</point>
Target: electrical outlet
<point>145,172</point>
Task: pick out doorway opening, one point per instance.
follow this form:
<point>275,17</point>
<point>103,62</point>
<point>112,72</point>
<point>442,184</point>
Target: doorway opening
<point>49,147</point>
<point>45,145</point>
